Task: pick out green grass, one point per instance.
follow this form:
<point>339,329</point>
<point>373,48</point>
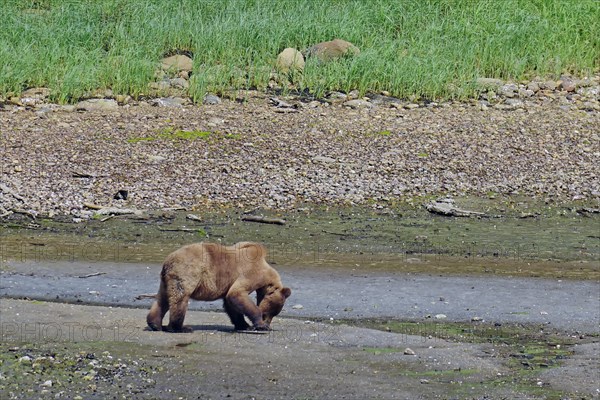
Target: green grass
<point>428,48</point>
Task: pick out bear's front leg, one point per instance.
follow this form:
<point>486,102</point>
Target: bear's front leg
<point>236,317</point>
<point>240,302</point>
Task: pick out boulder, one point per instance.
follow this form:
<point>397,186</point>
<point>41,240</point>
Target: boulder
<point>290,60</point>
<point>326,51</point>
<point>177,62</point>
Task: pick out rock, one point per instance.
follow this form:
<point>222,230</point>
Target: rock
<point>476,319</point>
<point>298,307</point>
<point>160,85</point>
<point>123,99</point>
<point>514,103</point>
<point>533,86</point>
<point>121,195</point>
<point>214,121</point>
<point>358,103</point>
<point>323,159</point>
<point>179,83</point>
<point>177,63</point>
<point>548,85</point>
<point>211,99</point>
<point>409,352</point>
<point>154,158</point>
<point>508,90</point>
<point>169,102</point>
<point>525,93</point>
<point>327,51</point>
<point>290,60</point>
<point>97,105</point>
<point>280,103</point>
<point>489,83</point>
<point>47,383</point>
<point>337,97</point>
<point>567,84</point>
<point>448,209</point>
<point>36,93</point>
<point>411,106</point>
<point>440,316</point>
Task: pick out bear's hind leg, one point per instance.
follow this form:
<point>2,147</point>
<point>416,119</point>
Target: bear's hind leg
<point>177,310</point>
<point>236,317</point>
<point>158,310</point>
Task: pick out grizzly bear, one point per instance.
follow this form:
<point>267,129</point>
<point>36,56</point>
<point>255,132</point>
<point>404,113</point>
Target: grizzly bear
<point>210,271</point>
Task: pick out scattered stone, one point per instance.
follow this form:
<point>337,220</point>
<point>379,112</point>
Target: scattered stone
<point>509,90</point>
<point>280,103</point>
<point>193,217</point>
<point>548,85</point>
<point>409,352</point>
<point>411,106</point>
<point>160,85</point>
<point>121,195</point>
<point>123,99</point>
<point>440,316</point>
<point>97,105</point>
<point>155,158</point>
<point>37,92</point>
<point>47,383</point>
<point>514,103</point>
<point>290,60</point>
<point>298,307</point>
<point>357,104</point>
<point>567,84</point>
<point>489,83</point>
<point>177,63</point>
<point>448,209</point>
<point>533,86</point>
<point>323,159</point>
<point>211,99</point>
<point>327,51</point>
<point>214,121</point>
<point>476,319</point>
<point>169,102</point>
<point>336,97</point>
<point>179,83</point>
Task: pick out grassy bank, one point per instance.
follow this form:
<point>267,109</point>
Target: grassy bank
<point>428,48</point>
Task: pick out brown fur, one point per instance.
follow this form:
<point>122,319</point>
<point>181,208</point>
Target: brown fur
<point>209,271</point>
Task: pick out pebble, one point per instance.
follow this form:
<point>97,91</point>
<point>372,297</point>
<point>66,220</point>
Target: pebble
<point>409,352</point>
<point>298,307</point>
<point>440,316</point>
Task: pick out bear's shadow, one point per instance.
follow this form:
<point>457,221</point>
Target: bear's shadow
<point>202,328</point>
<point>208,328</point>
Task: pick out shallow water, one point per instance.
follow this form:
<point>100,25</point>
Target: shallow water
<point>551,241</point>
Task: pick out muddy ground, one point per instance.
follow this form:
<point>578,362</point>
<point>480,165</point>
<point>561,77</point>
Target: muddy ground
<point>480,326</point>
<point>502,305</point>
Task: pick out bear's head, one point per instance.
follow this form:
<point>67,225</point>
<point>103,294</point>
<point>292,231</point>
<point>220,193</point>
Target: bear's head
<point>271,301</point>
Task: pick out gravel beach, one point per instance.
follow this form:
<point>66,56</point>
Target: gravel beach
<point>254,151</point>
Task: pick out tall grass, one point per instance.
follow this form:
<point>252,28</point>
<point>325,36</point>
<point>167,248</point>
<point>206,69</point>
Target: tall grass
<point>430,48</point>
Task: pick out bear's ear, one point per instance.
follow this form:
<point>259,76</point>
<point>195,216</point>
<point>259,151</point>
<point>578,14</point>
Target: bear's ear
<point>286,292</point>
